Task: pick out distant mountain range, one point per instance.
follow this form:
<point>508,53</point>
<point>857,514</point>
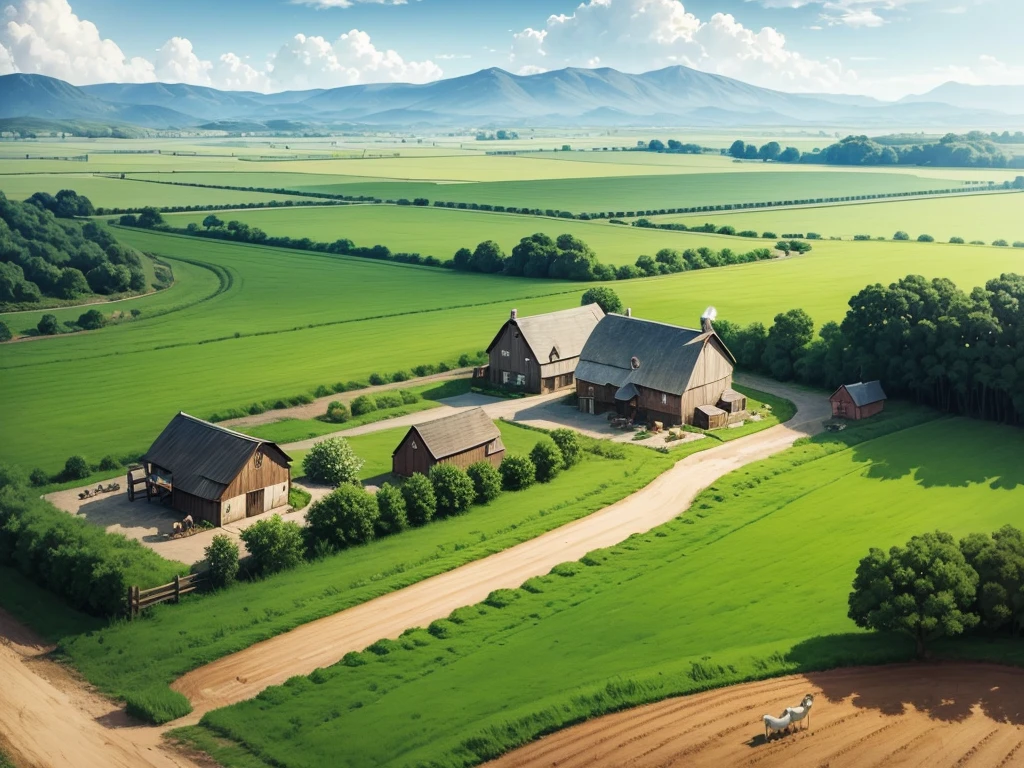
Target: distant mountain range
<point>675,96</point>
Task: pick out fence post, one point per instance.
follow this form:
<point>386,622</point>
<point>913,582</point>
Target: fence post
<point>131,605</point>
<point>177,588</point>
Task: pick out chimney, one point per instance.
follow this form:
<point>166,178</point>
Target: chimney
<point>515,313</point>
<point>629,311</point>
<point>705,320</point>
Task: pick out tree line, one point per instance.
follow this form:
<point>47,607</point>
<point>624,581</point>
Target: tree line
<point>925,340</point>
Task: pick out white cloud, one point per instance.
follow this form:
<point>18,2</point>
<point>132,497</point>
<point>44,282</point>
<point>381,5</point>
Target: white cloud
<point>233,74</point>
<point>45,37</point>
<point>649,34</point>
<point>851,13</point>
<point>176,62</point>
<point>324,4</point>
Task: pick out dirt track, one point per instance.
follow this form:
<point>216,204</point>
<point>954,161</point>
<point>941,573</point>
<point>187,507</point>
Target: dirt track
<point>932,715</point>
<point>321,643</point>
<point>49,719</point>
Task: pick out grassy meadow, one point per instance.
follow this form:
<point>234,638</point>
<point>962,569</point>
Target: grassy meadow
<point>751,581</point>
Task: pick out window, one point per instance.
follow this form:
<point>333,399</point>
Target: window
<point>504,377</point>
<point>520,379</point>
<point>505,353</point>
<point>414,446</point>
<point>664,399</point>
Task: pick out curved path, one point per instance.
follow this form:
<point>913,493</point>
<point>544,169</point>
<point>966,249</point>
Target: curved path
<point>933,715</point>
<point>323,642</point>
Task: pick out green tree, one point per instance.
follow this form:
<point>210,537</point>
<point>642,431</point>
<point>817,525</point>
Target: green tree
<point>362,405</point>
<point>517,472</point>
<point>344,518</point>
<point>656,145</point>
<point>332,461</point>
<point>791,332</point>
<point>738,148</point>
<point>274,545</point>
<point>5,332</point>
<point>901,235</point>
<point>212,221</point>
<point>790,155</point>
<point>453,489</point>
<point>222,560</point>
<point>337,413</point>
<point>391,504</point>
<point>91,320</point>
<point>486,481</point>
<point>48,325</point>
<point>770,151</point>
<point>999,561</point>
<point>150,217</point>
<point>568,442</point>
<point>547,460</point>
<point>925,590</point>
<point>72,284</point>
<point>420,501</point>
<point>607,299</point>
<point>463,259</point>
<point>925,239</point>
<point>488,258</point>
<point>76,468</point>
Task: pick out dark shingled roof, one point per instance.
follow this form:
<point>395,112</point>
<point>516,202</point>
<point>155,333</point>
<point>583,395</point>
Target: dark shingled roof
<point>459,432</point>
<point>565,331</point>
<point>865,392</point>
<point>204,458</point>
<point>666,354</point>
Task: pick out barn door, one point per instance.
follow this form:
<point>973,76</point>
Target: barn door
<point>254,503</point>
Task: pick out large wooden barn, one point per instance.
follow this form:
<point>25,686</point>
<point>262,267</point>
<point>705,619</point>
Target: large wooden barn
<point>539,353</point>
<point>654,371</point>
<point>461,439</point>
<point>216,474</point>
<point>858,401</point>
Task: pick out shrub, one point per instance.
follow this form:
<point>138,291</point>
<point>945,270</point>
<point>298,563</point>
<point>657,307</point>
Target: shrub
<point>409,397</point>
<point>399,376</point>
<point>109,463</point>
<point>376,380</point>
<point>344,518</point>
<point>517,472</point>
<point>333,462</point>
<point>453,489</point>
<point>547,459</point>
<point>38,477</point>
<point>274,545</point>
<point>5,332</point>
<point>362,405</point>
<point>568,443</point>
<point>1000,243</point>
<point>769,235</point>
<point>391,504</point>
<point>91,320</point>
<point>901,235</point>
<point>388,400</point>
<point>222,558</point>
<point>420,501</point>
<point>76,468</point>
<point>48,325</point>
<point>1018,243</point>
<point>158,704</point>
<point>486,481</point>
<point>337,412</point>
<point>604,297</point>
<point>956,240</point>
<point>925,239</point>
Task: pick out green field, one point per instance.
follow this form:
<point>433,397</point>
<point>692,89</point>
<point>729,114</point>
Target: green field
<point>289,321</point>
<point>752,581</point>
<point>972,217</point>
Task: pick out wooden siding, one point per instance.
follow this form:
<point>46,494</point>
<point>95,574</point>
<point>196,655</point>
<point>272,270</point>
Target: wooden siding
<point>843,407</point>
<point>514,364</point>
<point>407,460</point>
<point>272,471</point>
<point>200,509</point>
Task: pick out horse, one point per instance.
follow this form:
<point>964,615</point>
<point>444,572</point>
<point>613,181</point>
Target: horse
<point>797,714</point>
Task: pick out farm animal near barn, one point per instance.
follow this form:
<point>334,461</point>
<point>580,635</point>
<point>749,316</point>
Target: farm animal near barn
<point>211,473</point>
<point>858,401</point>
<point>539,353</point>
<point>790,717</point>
<point>652,371</point>
<point>460,439</point>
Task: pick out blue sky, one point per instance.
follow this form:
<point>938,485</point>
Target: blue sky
<point>885,48</point>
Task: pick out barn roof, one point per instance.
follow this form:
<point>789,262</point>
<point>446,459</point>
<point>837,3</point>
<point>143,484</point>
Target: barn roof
<point>627,350</point>
<point>565,331</point>
<point>204,458</point>
<point>731,396</point>
<point>865,392</point>
<point>459,432</point>
<point>710,410</point>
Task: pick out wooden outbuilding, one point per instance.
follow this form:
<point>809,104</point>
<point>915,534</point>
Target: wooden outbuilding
<point>652,371</point>
<point>710,417</point>
<point>461,439</point>
<point>539,353</point>
<point>858,401</point>
<point>215,474</point>
<point>732,401</point>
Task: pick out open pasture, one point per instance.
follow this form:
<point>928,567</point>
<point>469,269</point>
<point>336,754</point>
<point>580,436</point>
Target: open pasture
<point>289,321</point>
<point>743,585</point>
<point>972,217</point>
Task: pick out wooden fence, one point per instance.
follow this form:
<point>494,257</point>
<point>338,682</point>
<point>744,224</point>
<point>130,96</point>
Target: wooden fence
<point>182,585</point>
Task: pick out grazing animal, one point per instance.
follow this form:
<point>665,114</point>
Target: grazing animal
<point>176,526</point>
<point>775,724</point>
<point>796,714</point>
<point>187,522</point>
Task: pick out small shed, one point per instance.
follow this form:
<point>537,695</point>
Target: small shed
<point>732,401</point>
<point>710,417</point>
<point>461,439</point>
<point>858,401</point>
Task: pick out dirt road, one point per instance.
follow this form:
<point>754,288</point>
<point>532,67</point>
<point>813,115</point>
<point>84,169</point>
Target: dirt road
<point>49,719</point>
<point>933,715</point>
<point>322,643</point>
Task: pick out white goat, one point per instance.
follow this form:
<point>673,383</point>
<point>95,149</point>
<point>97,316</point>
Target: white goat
<point>775,724</point>
<point>797,714</point>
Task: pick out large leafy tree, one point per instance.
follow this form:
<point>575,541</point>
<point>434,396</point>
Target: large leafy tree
<point>925,589</point>
<point>999,561</point>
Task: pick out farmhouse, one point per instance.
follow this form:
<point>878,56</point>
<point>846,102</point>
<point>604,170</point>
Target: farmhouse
<point>539,353</point>
<point>461,439</point>
<point>215,474</point>
<point>858,401</point>
<point>652,371</point>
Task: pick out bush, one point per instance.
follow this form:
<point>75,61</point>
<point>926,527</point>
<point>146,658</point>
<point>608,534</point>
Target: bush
<point>376,380</point>
<point>333,462</point>
<point>901,235</point>
<point>547,460</point>
<point>76,468</point>
<point>1000,243</point>
<point>91,320</point>
<point>420,501</point>
<point>5,332</point>
<point>38,477</point>
<point>604,297</point>
<point>517,472</point>
<point>568,443</point>
<point>222,558</point>
<point>956,240</point>
<point>1018,243</point>
<point>391,504</point>
<point>157,705</point>
<point>388,400</point>
<point>344,518</point>
<point>337,412</point>
<point>453,489</point>
<point>409,397</point>
<point>486,481</point>
<point>48,325</point>
<point>925,239</point>
<point>274,545</point>
<point>109,464</point>
<point>362,405</point>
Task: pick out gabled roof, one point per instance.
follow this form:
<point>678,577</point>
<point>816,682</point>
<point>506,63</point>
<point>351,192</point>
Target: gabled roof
<point>864,392</point>
<point>204,458</point>
<point>624,350</point>
<point>565,331</point>
<point>459,432</point>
